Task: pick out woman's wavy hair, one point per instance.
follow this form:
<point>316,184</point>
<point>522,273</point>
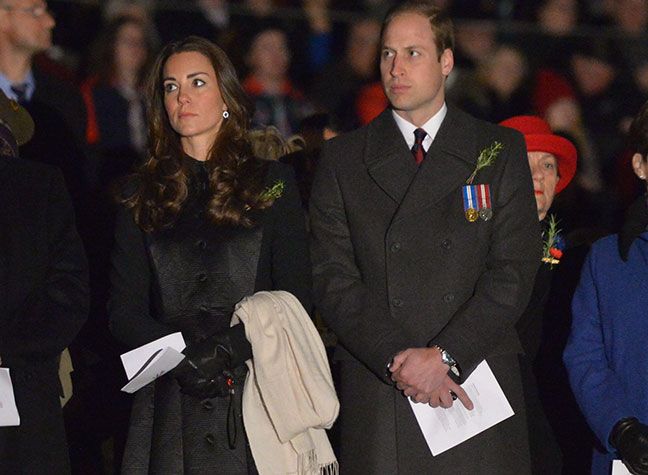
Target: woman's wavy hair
<point>236,179</point>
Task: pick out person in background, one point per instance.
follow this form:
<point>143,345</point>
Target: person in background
<point>498,87</point>
<point>606,97</point>
<point>276,100</point>
<point>44,297</point>
<point>356,68</point>
<point>552,160</point>
<point>113,91</point>
<point>113,96</point>
<point>203,223</point>
<point>26,30</point>
<point>605,355</point>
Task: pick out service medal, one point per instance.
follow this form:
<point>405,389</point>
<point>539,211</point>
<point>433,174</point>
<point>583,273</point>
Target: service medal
<point>484,202</point>
<point>485,213</point>
<point>470,203</point>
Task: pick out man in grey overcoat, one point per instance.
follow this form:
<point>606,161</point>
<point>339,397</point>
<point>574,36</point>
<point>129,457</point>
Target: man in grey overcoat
<point>425,246</point>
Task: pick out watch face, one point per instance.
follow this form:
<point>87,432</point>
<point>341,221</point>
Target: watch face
<point>447,359</point>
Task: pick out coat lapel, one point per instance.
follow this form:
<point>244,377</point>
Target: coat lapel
<point>389,162</point>
<point>449,162</point>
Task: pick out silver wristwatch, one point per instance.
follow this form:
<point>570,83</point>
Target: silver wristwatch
<point>449,360</point>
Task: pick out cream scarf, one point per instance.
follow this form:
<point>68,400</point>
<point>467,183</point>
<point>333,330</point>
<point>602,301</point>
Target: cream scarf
<point>288,397</point>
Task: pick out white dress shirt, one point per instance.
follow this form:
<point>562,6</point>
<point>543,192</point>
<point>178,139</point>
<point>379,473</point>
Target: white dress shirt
<point>431,127</point>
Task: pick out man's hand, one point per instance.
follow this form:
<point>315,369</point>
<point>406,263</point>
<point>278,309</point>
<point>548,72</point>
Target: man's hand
<point>421,375</point>
<point>445,395</point>
<point>418,370</point>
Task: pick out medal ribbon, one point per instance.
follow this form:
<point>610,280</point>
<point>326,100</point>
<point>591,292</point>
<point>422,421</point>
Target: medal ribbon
<point>470,197</point>
<point>484,196</point>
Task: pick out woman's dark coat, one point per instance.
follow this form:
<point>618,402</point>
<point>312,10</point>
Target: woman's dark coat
<point>188,278</point>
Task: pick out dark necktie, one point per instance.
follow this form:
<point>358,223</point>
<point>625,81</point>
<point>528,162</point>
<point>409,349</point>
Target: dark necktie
<point>417,148</point>
<point>20,90</point>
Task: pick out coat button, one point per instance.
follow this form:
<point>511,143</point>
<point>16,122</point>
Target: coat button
<point>396,302</point>
<point>202,277</point>
<point>210,439</point>
<point>395,247</point>
<point>207,405</point>
<point>446,244</point>
<point>201,244</point>
<point>447,298</point>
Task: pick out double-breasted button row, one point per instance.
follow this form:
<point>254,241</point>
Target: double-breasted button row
<point>396,246</point>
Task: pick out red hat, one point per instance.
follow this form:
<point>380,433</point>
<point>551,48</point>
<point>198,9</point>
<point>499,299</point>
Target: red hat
<point>539,138</point>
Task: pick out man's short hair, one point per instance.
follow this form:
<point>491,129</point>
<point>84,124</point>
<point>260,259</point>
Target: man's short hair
<point>440,22</point>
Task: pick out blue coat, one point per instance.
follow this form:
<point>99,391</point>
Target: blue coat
<point>606,354</point>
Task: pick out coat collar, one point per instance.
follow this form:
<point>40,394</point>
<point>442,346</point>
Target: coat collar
<point>448,163</point>
<point>389,162</point>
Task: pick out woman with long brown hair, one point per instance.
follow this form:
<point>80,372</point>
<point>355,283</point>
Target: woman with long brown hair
<point>203,224</point>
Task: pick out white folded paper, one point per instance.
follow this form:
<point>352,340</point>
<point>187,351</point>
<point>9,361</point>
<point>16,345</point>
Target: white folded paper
<point>447,428</point>
<point>150,361</point>
<point>8,410</point>
<point>618,468</point>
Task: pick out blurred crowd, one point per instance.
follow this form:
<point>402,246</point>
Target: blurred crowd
<point>583,66</point>
<point>310,67</point>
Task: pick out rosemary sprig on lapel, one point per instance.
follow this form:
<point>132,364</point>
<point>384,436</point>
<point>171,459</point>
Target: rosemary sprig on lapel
<point>486,158</point>
<point>551,254</point>
<point>275,191</point>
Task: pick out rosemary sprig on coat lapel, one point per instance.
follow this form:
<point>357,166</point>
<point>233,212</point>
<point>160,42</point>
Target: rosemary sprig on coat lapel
<point>275,191</point>
<point>486,158</point>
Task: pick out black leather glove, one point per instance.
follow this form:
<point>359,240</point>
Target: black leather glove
<point>630,438</point>
<point>194,382</point>
<point>209,364</point>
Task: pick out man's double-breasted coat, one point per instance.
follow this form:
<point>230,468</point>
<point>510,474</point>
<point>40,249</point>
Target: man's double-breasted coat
<point>397,265</point>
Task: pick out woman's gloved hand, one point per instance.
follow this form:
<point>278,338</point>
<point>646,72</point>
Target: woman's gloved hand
<point>194,382</point>
<point>630,438</point>
<point>207,370</point>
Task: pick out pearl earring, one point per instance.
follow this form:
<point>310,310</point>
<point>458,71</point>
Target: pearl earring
<point>225,114</point>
